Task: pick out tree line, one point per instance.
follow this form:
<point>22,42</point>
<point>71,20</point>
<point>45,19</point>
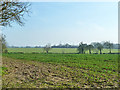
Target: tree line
<point>82,47</point>
<point>95,45</point>
<point>115,46</point>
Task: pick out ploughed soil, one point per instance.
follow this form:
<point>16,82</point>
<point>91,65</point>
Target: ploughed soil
<point>33,74</point>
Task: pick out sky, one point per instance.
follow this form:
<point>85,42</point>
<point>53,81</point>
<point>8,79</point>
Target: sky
<point>65,22</point>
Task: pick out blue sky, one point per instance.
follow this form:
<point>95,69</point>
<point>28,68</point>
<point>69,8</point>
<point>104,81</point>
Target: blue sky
<point>66,22</point>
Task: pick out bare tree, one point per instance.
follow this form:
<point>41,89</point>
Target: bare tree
<point>12,11</point>
<point>99,47</point>
<point>3,43</point>
<point>81,48</point>
<point>47,48</point>
<point>108,45</point>
<point>90,47</point>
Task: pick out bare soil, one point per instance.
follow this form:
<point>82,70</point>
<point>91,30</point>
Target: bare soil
<point>33,74</point>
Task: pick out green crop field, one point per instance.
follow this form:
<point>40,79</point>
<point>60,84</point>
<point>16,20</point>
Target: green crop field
<point>93,62</point>
<point>76,70</point>
<point>41,50</point>
<point>55,50</point>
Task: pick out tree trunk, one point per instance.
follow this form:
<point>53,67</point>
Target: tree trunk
<point>89,51</point>
<point>82,50</point>
<point>110,51</point>
<point>100,51</point>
